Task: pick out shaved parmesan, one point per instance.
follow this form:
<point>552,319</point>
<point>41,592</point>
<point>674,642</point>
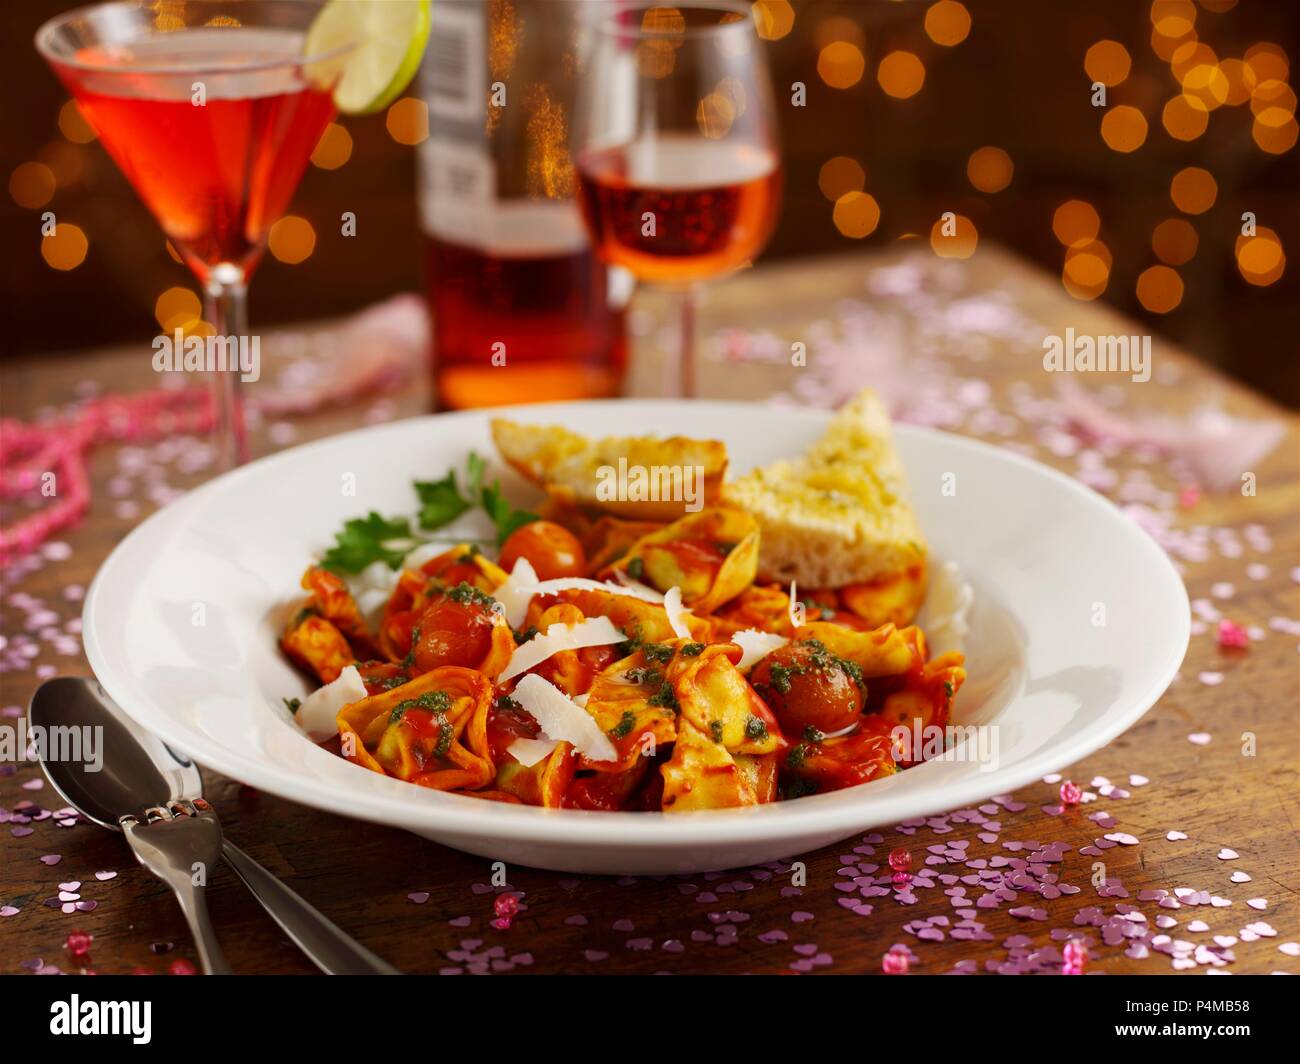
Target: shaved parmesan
<point>676,613</point>
<point>595,632</point>
<point>530,751</point>
<point>756,645</point>
<point>515,594</point>
<point>561,718</point>
<point>945,616</point>
<point>581,583</point>
<point>643,590</point>
<point>316,716</point>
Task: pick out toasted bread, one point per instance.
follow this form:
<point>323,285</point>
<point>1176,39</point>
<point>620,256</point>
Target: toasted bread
<point>580,472</point>
<point>839,515</point>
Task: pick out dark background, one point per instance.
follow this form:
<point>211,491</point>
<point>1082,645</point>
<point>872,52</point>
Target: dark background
<point>1017,82</point>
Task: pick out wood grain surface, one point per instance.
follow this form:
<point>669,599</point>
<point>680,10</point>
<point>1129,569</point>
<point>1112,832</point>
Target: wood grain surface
<point>428,909</point>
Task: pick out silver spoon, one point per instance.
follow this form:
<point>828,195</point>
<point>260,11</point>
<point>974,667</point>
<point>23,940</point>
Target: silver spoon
<point>138,771</point>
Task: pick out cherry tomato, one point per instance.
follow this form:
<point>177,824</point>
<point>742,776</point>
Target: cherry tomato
<point>451,633</point>
<point>551,549</point>
<point>807,687</point>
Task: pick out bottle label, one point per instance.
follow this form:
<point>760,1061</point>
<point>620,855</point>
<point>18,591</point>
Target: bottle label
<point>459,194</point>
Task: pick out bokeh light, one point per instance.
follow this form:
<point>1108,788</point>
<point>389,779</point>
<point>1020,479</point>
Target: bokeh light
<point>947,22</point>
<point>901,74</point>
<point>990,169</point>
<point>1174,241</point>
<point>1108,62</point>
<point>1240,80</point>
<point>840,175</point>
<point>1076,223</point>
<point>73,125</point>
<point>1173,18</point>
<point>960,244</point>
<point>773,18</point>
<point>1193,190</point>
<point>66,161</point>
<point>408,120</point>
<point>32,185</point>
<point>66,247</point>
<point>1159,289</point>
<point>1274,139</point>
<point>714,115</point>
<point>1124,128</point>
<point>292,239</point>
<point>177,308</point>
<point>333,149</point>
<point>1183,118</point>
<point>856,214</point>
<point>1268,62</point>
<point>841,64</point>
<point>1086,272</point>
<point>1260,258</point>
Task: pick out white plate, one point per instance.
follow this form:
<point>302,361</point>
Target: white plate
<point>1080,623</point>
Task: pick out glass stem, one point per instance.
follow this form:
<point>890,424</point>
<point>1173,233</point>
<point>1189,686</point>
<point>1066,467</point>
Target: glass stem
<point>686,344</point>
<point>227,310</point>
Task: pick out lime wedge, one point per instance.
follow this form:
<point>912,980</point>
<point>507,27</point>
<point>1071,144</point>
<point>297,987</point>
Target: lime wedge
<point>387,39</point>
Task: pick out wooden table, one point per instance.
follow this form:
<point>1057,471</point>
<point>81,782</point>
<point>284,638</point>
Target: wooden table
<point>428,909</point>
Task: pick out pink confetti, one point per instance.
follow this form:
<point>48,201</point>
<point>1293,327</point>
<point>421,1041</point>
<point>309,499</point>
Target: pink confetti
<point>1210,679</point>
<point>1232,636</point>
<point>1240,877</point>
<point>1199,738</point>
<point>1226,854</point>
<point>1176,836</point>
<point>1257,903</point>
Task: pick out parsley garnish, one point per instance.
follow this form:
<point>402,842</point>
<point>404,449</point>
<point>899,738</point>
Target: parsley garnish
<point>755,728</point>
<point>523,635</point>
<point>624,726</point>
<point>715,728</point>
<point>292,704</point>
<point>636,568</point>
<point>664,697</point>
<point>797,756</point>
<point>440,501</point>
<point>657,652</point>
<point>468,595</point>
<point>693,650</point>
<point>365,540</point>
<point>437,702</point>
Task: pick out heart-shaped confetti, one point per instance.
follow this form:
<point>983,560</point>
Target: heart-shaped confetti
<point>1199,738</point>
<point>1240,877</point>
<point>51,859</point>
<point>1175,836</point>
<point>1226,854</point>
<point>418,896</point>
<point>104,876</point>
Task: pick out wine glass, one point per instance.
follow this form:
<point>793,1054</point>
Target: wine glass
<point>678,167</point>
<point>211,108</point>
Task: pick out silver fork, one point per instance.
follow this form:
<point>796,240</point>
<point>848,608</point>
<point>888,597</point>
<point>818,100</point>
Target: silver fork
<point>180,843</point>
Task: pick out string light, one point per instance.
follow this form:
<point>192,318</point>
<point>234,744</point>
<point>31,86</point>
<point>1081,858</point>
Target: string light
<point>73,124</point>
<point>901,74</point>
<point>32,185</point>
<point>856,214</point>
<point>840,175</point>
<point>1076,223</point>
<point>333,149</point>
<point>1159,289</point>
<point>1260,258</point>
<point>408,120</point>
<point>947,23</point>
<point>961,244</point>
<point>1174,241</point>
<point>1193,190</point>
<point>1124,129</point>
<point>292,239</point>
<point>1108,62</point>
<point>66,247</point>
<point>773,18</point>
<point>841,64</point>
<point>989,169</point>
<point>1184,119</point>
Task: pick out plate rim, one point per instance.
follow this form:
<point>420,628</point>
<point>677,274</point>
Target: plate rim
<point>442,812</point>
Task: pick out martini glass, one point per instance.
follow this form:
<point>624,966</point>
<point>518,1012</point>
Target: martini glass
<point>211,109</point>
